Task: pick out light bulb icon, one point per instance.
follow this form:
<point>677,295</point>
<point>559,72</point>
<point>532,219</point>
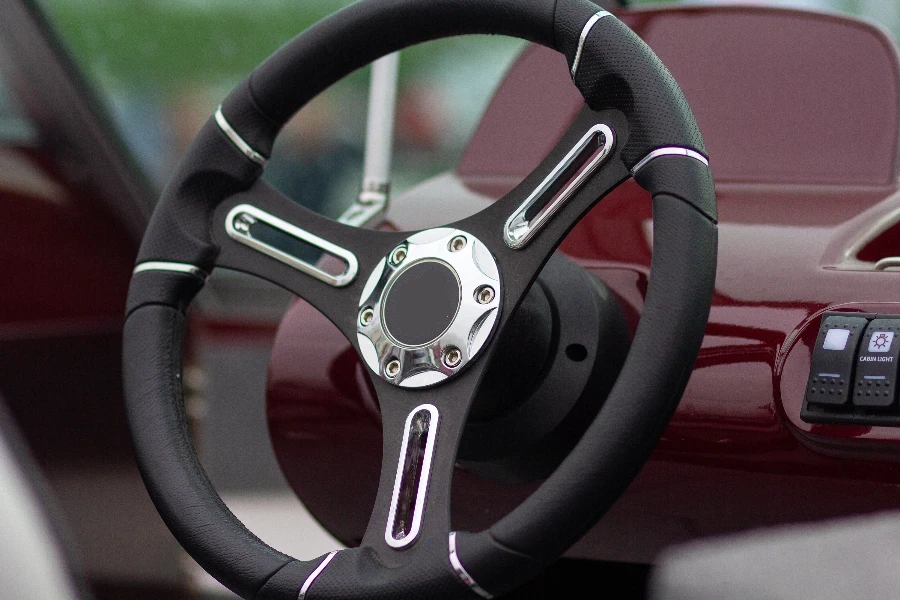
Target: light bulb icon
<point>881,341</point>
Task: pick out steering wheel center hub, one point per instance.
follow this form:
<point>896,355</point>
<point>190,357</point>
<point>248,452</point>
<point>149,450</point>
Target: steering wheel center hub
<point>421,303</point>
<point>428,308</point>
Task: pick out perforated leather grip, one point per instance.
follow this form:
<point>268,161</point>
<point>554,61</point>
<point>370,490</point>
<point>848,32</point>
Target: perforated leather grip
<point>178,485</point>
<point>618,70</point>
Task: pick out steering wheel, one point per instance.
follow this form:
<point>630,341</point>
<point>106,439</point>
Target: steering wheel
<point>424,309</point>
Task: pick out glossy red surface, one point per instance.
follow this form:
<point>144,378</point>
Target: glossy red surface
<point>66,265</point>
<point>781,96</point>
<point>793,201</point>
<point>67,262</point>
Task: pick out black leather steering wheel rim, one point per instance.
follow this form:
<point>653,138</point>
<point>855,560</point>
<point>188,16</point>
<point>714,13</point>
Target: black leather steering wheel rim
<point>625,85</point>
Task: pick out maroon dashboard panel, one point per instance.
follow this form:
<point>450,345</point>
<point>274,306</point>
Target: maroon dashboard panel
<point>66,263</point>
<point>69,260</point>
<point>806,170</point>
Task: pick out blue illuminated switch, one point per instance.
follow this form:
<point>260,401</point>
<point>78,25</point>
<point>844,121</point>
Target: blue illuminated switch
<point>833,360</point>
<point>876,364</point>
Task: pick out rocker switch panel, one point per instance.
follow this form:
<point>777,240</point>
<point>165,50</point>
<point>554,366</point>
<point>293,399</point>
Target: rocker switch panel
<point>833,358</point>
<point>876,365</point>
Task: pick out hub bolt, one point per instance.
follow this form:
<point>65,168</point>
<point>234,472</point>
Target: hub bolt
<point>243,221</point>
<point>457,243</point>
<point>398,255</point>
<point>366,316</point>
<point>452,357</point>
<point>392,369</point>
<point>484,294</point>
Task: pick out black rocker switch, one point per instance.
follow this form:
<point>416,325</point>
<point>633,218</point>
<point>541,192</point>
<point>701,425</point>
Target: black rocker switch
<point>833,357</point>
<point>876,366</point>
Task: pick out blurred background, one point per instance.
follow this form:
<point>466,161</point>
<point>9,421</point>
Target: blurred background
<point>164,65</point>
<point>161,67</point>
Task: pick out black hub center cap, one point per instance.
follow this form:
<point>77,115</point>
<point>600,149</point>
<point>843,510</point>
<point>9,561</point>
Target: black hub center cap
<point>422,303</point>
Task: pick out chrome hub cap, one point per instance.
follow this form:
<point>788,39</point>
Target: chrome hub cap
<point>428,308</point>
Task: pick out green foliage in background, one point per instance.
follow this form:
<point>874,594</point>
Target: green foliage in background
<point>165,43</point>
<point>170,43</point>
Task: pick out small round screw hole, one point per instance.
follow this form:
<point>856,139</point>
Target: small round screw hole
<point>398,255</point>
<point>366,316</point>
<point>452,357</point>
<point>392,369</point>
<point>484,294</point>
<point>457,243</point>
<point>576,352</point>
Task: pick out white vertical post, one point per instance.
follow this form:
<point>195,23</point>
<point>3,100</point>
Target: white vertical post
<point>379,142</point>
<point>380,126</point>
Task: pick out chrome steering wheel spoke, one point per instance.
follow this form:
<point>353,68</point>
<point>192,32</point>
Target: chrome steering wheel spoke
<point>262,232</point>
<point>525,227</point>
<point>422,429</point>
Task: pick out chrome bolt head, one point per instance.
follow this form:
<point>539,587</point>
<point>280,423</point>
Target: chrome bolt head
<point>398,255</point>
<point>243,221</point>
<point>457,243</point>
<point>392,368</point>
<point>484,294</point>
<point>452,357</point>
<point>366,316</point>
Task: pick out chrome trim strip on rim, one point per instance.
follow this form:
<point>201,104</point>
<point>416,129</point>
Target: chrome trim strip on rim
<point>422,492</point>
<point>312,576</point>
<point>518,230</point>
<point>584,33</point>
<point>245,238</point>
<point>671,151</point>
<point>461,570</point>
<point>237,140</point>
<point>173,267</point>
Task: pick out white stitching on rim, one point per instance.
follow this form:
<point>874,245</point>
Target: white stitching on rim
<point>584,33</point>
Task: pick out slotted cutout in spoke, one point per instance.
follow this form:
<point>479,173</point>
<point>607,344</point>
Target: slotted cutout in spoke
<point>411,481</point>
<point>566,179</point>
<point>291,245</point>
